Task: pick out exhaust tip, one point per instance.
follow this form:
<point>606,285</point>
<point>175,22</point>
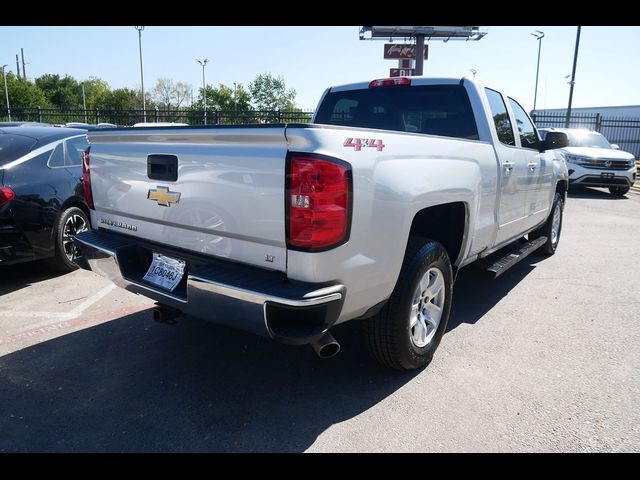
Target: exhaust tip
<point>329,350</point>
<point>326,346</point>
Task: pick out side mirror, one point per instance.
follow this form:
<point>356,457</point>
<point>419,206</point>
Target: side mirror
<point>615,146</point>
<point>554,140</point>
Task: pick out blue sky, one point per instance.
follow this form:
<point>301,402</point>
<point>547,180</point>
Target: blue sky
<point>312,58</point>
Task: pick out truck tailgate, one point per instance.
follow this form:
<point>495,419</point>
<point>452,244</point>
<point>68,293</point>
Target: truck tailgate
<point>227,200</point>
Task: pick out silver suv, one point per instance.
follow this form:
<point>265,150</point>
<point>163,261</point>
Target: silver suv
<point>594,162</point>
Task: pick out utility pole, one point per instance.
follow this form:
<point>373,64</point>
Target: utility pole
<point>235,98</point>
<point>17,66</point>
<point>573,78</point>
<point>24,72</point>
<point>6,92</point>
<point>84,103</point>
<point>539,36</point>
<point>204,87</point>
<point>419,54</point>
<point>144,102</point>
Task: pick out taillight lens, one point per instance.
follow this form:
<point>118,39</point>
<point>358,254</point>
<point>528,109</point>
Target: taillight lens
<point>319,203</point>
<point>86,178</point>
<point>6,195</point>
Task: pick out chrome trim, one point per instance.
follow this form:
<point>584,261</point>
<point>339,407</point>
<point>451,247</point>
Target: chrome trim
<point>260,298</point>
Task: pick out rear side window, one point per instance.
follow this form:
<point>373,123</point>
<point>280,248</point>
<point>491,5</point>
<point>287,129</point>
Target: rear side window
<point>73,152</point>
<point>12,147</point>
<point>500,117</point>
<point>57,157</point>
<point>431,109</point>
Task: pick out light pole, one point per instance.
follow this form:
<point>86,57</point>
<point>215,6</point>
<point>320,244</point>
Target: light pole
<point>573,78</point>
<point>84,103</point>
<point>235,99</point>
<point>539,36</point>
<point>144,102</point>
<point>204,87</point>
<point>6,92</point>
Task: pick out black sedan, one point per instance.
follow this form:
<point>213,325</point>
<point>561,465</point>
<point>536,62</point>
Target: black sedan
<point>41,199</point>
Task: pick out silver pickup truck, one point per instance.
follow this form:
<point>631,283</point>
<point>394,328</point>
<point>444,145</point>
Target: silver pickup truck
<point>366,213</point>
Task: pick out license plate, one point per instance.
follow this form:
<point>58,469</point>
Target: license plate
<point>607,175</point>
<point>165,272</point>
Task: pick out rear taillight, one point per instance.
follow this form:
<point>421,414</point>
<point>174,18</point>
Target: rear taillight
<point>318,202</point>
<point>86,178</point>
<point>389,82</point>
<point>6,195</point>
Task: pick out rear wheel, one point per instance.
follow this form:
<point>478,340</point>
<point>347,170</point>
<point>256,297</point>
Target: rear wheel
<point>72,221</point>
<point>405,334</point>
<point>618,190</point>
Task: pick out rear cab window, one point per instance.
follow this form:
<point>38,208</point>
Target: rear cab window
<point>443,110</point>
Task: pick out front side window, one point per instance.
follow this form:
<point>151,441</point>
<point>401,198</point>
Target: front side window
<point>500,117</point>
<point>526,130</point>
<point>430,109</point>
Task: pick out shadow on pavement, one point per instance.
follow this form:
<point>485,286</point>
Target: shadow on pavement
<point>476,292</point>
<point>20,275</point>
<point>135,385</point>
<point>593,193</point>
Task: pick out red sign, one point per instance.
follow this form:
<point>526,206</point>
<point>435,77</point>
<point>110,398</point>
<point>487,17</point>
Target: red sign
<point>398,50</point>
<point>401,72</point>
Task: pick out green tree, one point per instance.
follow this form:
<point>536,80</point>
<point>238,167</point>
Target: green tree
<point>225,98</point>
<point>96,92</point>
<point>23,93</point>
<point>270,93</point>
<point>61,91</point>
<point>122,99</point>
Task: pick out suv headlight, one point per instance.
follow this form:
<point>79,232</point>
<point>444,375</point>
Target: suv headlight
<point>575,159</point>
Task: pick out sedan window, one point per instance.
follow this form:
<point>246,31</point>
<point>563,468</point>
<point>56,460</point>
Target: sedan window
<point>73,152</point>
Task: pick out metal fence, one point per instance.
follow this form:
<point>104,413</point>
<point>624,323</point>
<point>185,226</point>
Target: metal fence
<point>130,117</point>
<point>624,131</point>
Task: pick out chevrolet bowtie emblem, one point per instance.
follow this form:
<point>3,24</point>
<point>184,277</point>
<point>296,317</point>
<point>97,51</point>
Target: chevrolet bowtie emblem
<point>163,196</point>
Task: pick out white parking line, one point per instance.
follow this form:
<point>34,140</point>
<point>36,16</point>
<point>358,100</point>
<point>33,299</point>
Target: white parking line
<point>77,311</point>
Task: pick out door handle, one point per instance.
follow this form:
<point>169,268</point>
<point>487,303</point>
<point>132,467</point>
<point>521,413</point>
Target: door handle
<point>507,165</point>
<point>532,166</point>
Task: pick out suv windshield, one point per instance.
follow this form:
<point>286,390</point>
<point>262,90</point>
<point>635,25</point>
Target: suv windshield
<point>432,109</point>
<point>13,147</point>
<point>587,139</point>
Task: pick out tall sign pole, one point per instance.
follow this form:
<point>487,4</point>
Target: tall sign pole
<point>24,72</point>
<point>419,54</point>
<point>144,102</point>
<point>573,79</point>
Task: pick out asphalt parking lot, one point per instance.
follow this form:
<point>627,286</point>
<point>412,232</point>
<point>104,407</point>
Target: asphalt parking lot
<point>545,358</point>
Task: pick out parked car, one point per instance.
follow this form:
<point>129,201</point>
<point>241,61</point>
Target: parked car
<point>594,162</point>
<point>24,124</point>
<point>41,199</point>
<point>367,213</point>
<point>88,126</point>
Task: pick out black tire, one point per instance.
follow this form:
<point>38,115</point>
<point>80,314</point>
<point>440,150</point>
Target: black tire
<point>550,246</point>
<point>388,334</point>
<point>619,191</point>
<point>65,252</point>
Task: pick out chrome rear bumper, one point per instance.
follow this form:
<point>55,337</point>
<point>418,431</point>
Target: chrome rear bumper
<point>249,298</point>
